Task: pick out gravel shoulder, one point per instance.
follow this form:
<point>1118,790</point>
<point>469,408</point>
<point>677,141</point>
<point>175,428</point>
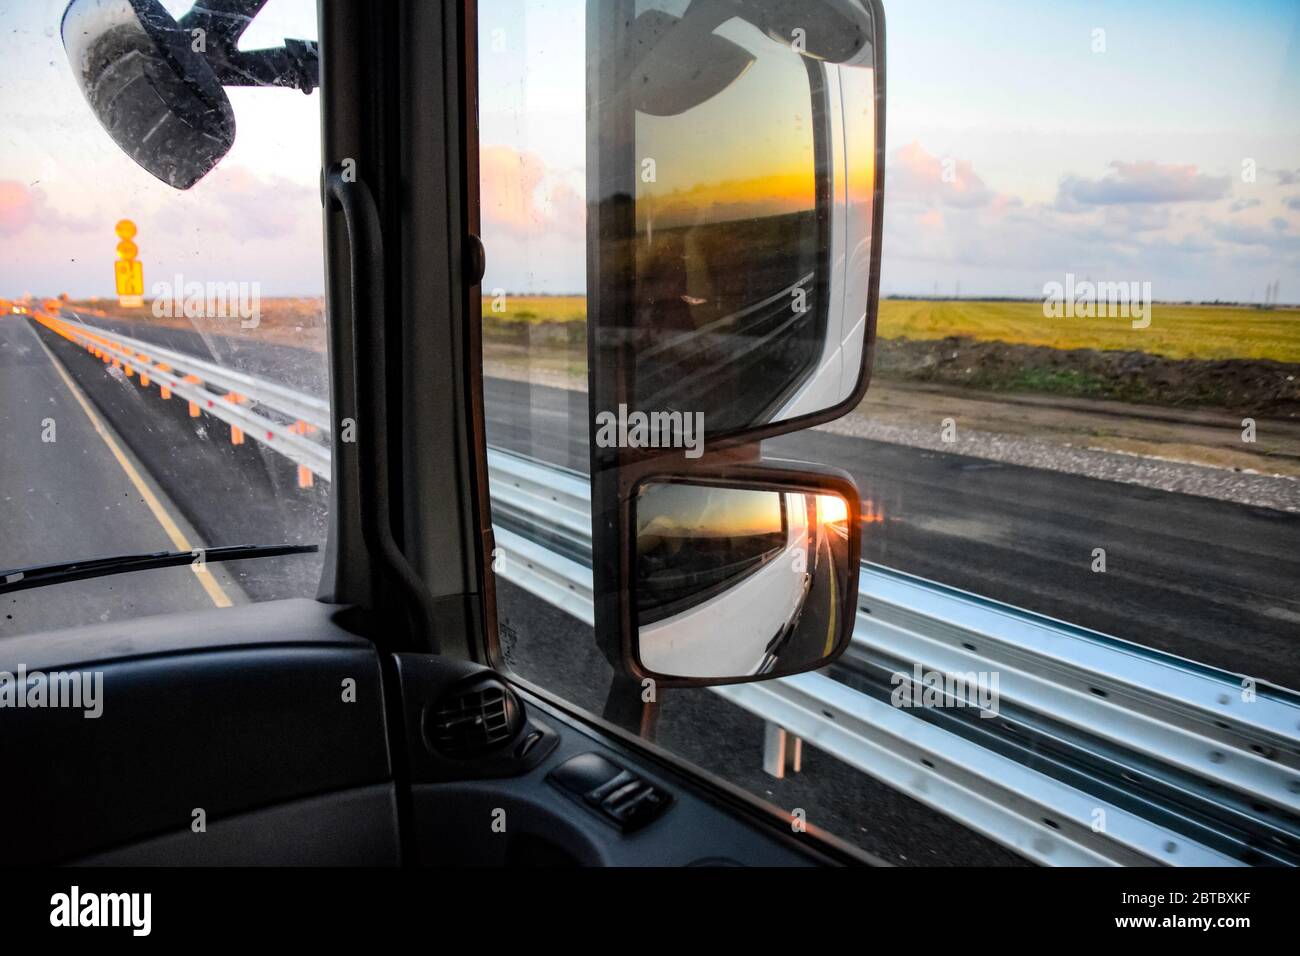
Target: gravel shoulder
<point>1189,451</point>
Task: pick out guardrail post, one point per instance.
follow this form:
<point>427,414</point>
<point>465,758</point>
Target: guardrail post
<point>782,751</point>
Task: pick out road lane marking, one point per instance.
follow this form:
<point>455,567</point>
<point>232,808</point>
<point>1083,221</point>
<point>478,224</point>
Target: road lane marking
<point>160,513</point>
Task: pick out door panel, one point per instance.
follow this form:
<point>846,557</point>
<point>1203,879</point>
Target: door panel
<point>557,790</point>
<point>225,712</point>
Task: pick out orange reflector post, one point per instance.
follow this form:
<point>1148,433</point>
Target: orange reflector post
<point>144,379</point>
<point>194,410</point>
<point>236,435</point>
<point>166,392</point>
<point>304,476</point>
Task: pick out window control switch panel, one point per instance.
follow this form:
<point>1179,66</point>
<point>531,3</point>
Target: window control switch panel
<point>622,798</point>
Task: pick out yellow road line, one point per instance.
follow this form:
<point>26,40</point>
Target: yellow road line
<point>169,526</point>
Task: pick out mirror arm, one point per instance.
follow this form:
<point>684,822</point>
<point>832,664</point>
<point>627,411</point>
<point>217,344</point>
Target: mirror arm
<point>296,64</point>
<point>625,708</point>
<point>222,21</point>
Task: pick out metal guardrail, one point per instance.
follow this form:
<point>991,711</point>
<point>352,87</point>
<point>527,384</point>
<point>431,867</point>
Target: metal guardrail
<point>1103,752</point>
<point>1050,815</point>
<point>279,417</point>
<point>1223,750</point>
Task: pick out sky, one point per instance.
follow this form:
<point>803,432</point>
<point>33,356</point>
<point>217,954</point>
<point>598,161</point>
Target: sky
<point>1146,141</point>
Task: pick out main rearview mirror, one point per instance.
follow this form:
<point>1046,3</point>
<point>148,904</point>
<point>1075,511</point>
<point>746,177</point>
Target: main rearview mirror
<point>735,583</point>
<point>734,158</point>
<point>159,99</point>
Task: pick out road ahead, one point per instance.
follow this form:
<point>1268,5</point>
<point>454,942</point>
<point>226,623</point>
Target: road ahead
<point>66,481</point>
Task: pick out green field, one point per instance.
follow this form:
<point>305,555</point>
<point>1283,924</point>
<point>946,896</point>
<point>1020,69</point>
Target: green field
<point>536,308</point>
<point>1176,331</point>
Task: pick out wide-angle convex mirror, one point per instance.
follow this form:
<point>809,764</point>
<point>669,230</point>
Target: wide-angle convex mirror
<point>740,583</point>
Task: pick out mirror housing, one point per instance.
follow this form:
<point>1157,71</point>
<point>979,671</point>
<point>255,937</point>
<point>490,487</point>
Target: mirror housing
<point>745,606</point>
<point>157,85</point>
<point>733,265</point>
<point>159,100</point>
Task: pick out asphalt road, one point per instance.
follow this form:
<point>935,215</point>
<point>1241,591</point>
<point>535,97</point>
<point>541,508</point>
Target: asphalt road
<point>1211,581</point>
<point>229,494</point>
<point>63,485</point>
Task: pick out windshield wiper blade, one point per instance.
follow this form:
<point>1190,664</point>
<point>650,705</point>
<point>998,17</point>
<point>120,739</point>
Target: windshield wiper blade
<point>20,579</point>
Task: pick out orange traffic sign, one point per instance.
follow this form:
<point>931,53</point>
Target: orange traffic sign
<point>130,277</point>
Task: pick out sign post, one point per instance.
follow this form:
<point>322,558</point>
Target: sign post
<point>128,270</point>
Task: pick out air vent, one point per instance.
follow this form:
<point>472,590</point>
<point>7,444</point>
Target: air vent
<point>473,720</point>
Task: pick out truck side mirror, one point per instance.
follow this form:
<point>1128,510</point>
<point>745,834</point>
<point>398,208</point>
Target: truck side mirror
<point>733,239</point>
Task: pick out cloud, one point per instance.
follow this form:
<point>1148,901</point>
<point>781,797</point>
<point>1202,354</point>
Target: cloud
<point>1243,204</point>
<point>1137,218</point>
<point>1293,203</point>
<point>17,208</point>
<point>22,206</point>
<point>523,198</point>
<point>1287,177</point>
<point>235,202</point>
<point>1140,183</point>
<point>1278,237</point>
<point>917,174</point>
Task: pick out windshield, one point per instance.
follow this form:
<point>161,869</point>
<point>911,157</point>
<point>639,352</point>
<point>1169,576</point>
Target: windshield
<point>163,382</point>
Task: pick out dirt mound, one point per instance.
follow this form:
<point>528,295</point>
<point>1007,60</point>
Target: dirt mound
<point>1255,386</point>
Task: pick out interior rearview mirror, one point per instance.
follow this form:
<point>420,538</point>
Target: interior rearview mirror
<point>734,583</point>
<point>733,169</point>
<point>156,84</point>
<point>156,96</point>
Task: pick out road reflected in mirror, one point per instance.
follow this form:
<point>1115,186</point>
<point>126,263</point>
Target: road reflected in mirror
<point>738,582</point>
